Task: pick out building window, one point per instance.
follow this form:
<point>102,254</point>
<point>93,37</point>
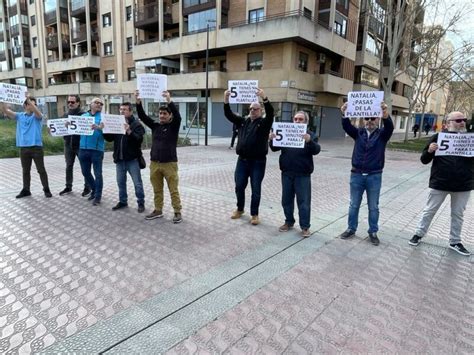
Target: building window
<point>129,44</point>
<point>108,48</point>
<point>109,76</point>
<point>128,13</point>
<point>366,77</point>
<point>303,62</point>
<point>131,73</point>
<point>371,46</point>
<point>39,84</point>
<point>106,20</point>
<point>343,3</point>
<point>255,61</point>
<point>35,41</point>
<point>340,25</point>
<point>256,15</point>
<point>36,62</point>
<point>33,20</point>
<point>198,21</point>
<point>32,2</point>
<point>307,13</point>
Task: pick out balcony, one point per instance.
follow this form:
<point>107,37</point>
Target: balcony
<point>3,56</point>
<point>76,63</point>
<point>189,9</point>
<point>50,18</point>
<point>78,8</point>
<point>332,82</point>
<point>16,73</point>
<point>15,30</point>
<point>80,34</point>
<point>217,80</point>
<point>146,17</point>
<point>52,42</point>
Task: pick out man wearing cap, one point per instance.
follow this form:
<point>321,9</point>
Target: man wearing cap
<point>91,152</point>
<point>368,159</point>
<point>450,175</point>
<point>71,147</point>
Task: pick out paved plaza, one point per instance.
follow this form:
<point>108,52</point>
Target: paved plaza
<point>77,278</point>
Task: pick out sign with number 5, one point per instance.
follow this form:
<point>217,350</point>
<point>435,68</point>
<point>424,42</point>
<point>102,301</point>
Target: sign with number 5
<point>455,144</point>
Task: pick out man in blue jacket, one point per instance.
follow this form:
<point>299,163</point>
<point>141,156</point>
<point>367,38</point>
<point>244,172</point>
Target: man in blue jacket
<point>91,152</point>
<point>296,165</point>
<point>368,159</point>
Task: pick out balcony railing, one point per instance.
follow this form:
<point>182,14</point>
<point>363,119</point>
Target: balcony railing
<point>330,72</point>
<point>210,4</point>
<point>51,17</point>
<point>78,7</point>
<point>52,42</point>
<point>3,56</point>
<point>80,34</point>
<point>15,30</point>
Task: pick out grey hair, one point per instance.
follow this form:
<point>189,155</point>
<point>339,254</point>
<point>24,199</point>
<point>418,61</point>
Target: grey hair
<point>306,116</point>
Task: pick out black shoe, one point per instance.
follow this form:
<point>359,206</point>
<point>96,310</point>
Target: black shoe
<point>177,218</point>
<point>374,239</point>
<point>141,208</point>
<point>23,193</point>
<point>66,191</point>
<point>347,234</point>
<point>91,196</point>
<point>48,193</point>
<point>415,240</point>
<point>460,249</point>
<point>119,206</point>
<point>86,192</point>
<point>96,202</point>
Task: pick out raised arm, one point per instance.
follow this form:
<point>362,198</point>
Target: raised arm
<point>346,123</point>
<point>388,127</point>
<point>33,107</point>
<point>269,111</point>
<point>7,111</point>
<point>174,110</point>
<point>141,112</point>
<point>232,117</point>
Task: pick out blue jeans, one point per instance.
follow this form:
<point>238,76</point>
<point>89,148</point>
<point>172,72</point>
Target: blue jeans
<point>90,158</point>
<point>371,184</point>
<point>130,166</point>
<point>255,170</point>
<point>301,187</point>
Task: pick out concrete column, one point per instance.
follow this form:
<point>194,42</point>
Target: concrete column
<point>118,14</point>
<point>332,15</point>
<point>88,29</point>
<point>161,26</point>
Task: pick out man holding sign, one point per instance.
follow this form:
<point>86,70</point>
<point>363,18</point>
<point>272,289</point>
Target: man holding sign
<point>164,158</point>
<point>368,160</point>
<point>252,149</point>
<point>29,140</point>
<point>127,150</point>
<point>450,175</point>
<point>91,154</point>
<point>296,165</point>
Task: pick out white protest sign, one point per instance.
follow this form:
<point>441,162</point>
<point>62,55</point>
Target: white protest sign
<point>113,124</point>
<point>151,86</point>
<point>458,144</point>
<point>12,94</point>
<point>81,125</point>
<point>57,127</point>
<point>243,91</point>
<point>289,134</point>
<point>364,104</point>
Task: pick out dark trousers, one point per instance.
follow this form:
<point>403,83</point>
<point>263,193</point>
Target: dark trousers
<point>299,186</point>
<point>70,155</point>
<point>27,156</point>
<point>255,170</point>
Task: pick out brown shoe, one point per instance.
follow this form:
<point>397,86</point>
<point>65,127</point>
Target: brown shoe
<point>237,214</point>
<point>254,220</point>
<point>305,233</point>
<point>285,228</point>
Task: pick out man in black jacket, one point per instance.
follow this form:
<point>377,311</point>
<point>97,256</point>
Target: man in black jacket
<point>296,165</point>
<point>164,159</point>
<point>71,147</point>
<point>450,175</point>
<point>127,151</point>
<point>252,149</point>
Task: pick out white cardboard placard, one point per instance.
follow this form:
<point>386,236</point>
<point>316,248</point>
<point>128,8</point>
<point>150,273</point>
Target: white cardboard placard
<point>113,124</point>
<point>151,86</point>
<point>243,91</point>
<point>288,134</point>
<point>13,94</point>
<point>81,125</point>
<point>57,127</point>
<point>364,104</point>
<point>457,144</point>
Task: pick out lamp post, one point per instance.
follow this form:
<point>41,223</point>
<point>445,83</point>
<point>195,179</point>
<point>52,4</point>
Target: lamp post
<point>206,111</point>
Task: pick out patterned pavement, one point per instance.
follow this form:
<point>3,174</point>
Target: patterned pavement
<point>80,278</point>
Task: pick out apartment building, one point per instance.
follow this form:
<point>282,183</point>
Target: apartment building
<point>305,54</point>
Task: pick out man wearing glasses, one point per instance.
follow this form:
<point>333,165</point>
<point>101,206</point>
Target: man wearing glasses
<point>252,149</point>
<point>71,147</point>
<point>368,159</point>
<point>450,175</point>
<point>91,152</point>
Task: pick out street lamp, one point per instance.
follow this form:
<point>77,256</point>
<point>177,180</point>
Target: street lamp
<point>206,127</point>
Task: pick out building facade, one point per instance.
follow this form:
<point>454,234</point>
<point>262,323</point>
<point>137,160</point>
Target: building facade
<point>306,54</point>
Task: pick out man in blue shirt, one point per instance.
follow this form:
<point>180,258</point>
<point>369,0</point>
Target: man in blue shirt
<point>368,159</point>
<point>29,140</point>
<point>91,152</point>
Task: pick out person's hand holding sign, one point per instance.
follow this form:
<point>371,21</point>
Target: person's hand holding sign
<point>306,137</point>
<point>127,129</point>
<point>99,126</point>
<point>138,101</point>
<point>433,147</point>
<point>271,136</point>
<point>261,94</point>
<point>385,113</point>
<point>226,96</point>
<point>167,96</point>
<point>343,109</point>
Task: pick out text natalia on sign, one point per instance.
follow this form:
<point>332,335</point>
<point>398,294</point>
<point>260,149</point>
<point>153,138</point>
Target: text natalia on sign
<point>243,91</point>
<point>113,124</point>
<point>455,144</point>
<point>289,135</point>
<point>364,104</point>
<point>151,86</point>
<point>12,94</point>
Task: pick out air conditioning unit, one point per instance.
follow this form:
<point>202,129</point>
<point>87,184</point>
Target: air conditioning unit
<point>193,62</point>
<point>321,58</point>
